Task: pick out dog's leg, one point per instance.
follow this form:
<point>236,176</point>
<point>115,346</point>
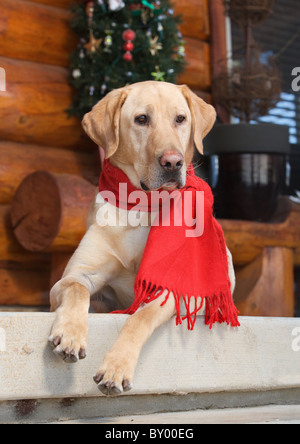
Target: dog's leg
<point>70,329</point>
<point>117,370</point>
<point>85,275</point>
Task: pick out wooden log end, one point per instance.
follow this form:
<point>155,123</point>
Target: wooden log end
<point>36,211</point>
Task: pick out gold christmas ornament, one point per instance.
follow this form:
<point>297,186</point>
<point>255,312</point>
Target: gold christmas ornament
<point>155,46</point>
<point>93,44</point>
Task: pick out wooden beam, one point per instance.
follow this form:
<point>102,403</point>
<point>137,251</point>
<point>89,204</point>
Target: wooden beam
<point>246,240</point>
<point>197,74</point>
<point>33,110</point>
<point>195,18</point>
<point>66,4</point>
<point>24,287</point>
<point>24,159</point>
<point>59,261</point>
<point>35,32</point>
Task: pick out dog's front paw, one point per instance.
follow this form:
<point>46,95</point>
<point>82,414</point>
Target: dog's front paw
<point>116,374</point>
<point>68,337</point>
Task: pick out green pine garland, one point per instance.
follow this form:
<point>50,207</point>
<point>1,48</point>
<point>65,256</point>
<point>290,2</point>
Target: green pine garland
<point>95,73</point>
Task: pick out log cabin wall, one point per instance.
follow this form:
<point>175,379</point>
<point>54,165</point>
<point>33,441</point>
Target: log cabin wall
<point>35,132</point>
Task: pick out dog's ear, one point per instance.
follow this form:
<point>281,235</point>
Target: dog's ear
<point>102,123</point>
<point>203,116</point>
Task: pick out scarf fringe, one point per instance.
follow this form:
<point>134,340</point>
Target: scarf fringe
<point>218,308</point>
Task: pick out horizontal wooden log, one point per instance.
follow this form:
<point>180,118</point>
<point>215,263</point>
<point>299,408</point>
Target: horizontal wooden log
<point>35,32</point>
<point>246,240</point>
<point>19,160</point>
<point>195,18</point>
<point>51,210</point>
<point>24,287</point>
<point>24,276</point>
<point>12,255</point>
<point>33,109</point>
<point>197,74</point>
<point>66,4</point>
<point>59,261</point>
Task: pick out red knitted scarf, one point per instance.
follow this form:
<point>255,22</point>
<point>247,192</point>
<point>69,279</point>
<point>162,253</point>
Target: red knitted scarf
<point>191,264</point>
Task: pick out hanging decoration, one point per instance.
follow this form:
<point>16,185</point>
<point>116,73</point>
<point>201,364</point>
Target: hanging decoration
<point>158,75</point>
<point>76,73</point>
<point>115,5</point>
<point>108,41</point>
<point>128,36</point>
<point>155,45</point>
<point>93,44</point>
<point>90,11</point>
<point>181,49</point>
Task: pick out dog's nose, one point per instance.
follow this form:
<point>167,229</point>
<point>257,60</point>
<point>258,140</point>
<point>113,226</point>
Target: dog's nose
<point>171,161</point>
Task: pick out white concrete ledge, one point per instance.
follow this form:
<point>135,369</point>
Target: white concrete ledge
<point>261,355</point>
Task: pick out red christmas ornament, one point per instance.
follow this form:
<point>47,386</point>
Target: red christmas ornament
<point>127,56</point>
<point>128,37</point>
<point>128,46</point>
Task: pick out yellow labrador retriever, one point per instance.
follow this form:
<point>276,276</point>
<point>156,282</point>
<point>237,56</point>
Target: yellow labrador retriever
<point>149,131</point>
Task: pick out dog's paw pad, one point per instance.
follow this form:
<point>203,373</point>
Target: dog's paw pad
<point>110,388</point>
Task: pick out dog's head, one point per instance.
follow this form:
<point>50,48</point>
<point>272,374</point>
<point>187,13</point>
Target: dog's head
<point>149,130</point>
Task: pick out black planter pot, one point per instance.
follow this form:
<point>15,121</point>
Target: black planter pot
<point>247,169</point>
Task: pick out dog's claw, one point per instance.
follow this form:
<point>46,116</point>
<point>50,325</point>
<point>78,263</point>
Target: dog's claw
<point>109,387</point>
<point>56,341</point>
<point>126,385</point>
<point>82,353</point>
<point>98,377</point>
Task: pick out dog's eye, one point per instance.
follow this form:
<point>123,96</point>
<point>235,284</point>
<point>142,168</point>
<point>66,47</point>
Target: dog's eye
<point>142,120</point>
<point>180,119</point>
